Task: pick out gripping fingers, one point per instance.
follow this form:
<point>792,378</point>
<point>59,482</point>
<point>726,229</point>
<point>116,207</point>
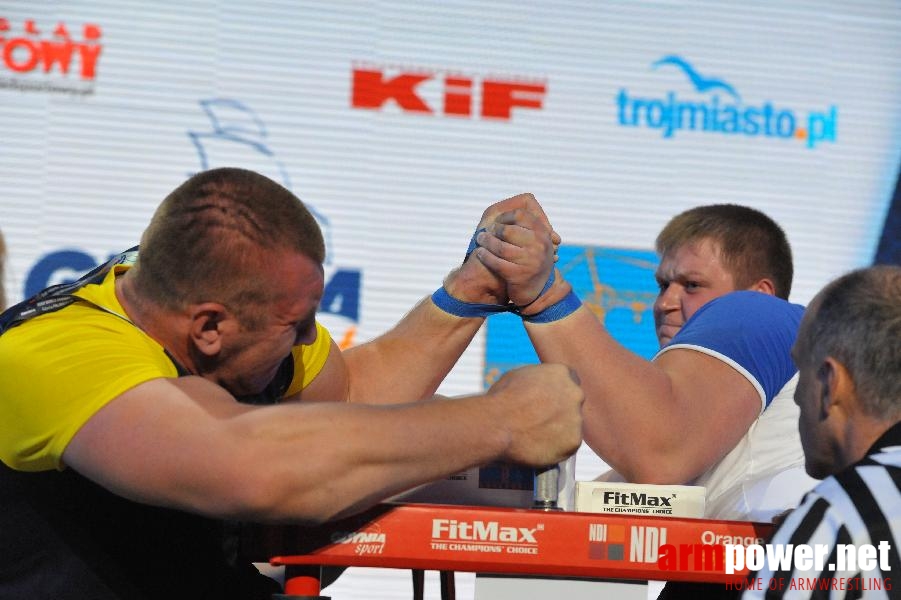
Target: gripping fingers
<point>513,239</point>
<point>531,231</point>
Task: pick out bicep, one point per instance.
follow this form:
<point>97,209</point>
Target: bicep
<point>166,442</point>
<point>718,404</point>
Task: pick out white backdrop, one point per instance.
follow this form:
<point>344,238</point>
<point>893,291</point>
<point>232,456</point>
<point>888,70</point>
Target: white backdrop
<point>153,92</point>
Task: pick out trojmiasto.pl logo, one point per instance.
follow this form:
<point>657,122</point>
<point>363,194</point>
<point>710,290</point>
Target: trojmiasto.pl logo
<point>716,107</point>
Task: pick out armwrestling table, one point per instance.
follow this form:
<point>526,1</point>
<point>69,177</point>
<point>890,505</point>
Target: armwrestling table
<point>506,541</point>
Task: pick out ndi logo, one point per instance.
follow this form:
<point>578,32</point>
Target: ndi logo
<point>721,109</point>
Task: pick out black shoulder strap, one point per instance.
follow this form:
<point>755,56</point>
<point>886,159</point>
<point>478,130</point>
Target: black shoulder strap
<point>60,295</point>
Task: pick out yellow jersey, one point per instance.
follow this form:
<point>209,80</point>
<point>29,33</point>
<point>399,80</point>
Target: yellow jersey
<point>58,369</point>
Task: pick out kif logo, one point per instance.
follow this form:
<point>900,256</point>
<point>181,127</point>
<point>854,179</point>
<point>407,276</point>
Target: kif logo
<point>49,51</point>
<point>722,110</point>
<point>452,94</point>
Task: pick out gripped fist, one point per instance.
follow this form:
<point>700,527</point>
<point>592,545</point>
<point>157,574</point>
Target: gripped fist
<point>541,406</point>
<point>519,246</point>
<point>474,282</point>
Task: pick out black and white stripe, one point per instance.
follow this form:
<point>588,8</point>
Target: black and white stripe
<point>860,505</point>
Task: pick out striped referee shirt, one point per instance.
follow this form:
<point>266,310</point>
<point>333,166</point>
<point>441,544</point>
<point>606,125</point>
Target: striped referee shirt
<point>859,505</point>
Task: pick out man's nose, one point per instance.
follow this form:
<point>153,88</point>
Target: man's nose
<point>668,299</point>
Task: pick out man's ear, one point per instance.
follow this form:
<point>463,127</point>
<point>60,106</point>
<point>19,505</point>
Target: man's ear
<point>764,285</point>
<point>836,385</point>
<point>207,321</point>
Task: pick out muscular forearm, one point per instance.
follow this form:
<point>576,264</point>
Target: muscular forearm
<point>346,458</point>
<point>409,362</point>
<point>530,416</point>
<point>187,444</point>
<point>632,416</point>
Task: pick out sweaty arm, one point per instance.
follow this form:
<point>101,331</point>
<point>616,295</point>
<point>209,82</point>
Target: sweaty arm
<point>185,443</point>
<point>670,419</point>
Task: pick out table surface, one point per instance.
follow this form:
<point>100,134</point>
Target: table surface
<point>513,541</point>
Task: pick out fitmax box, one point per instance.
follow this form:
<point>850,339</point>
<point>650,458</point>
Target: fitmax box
<point>640,499</point>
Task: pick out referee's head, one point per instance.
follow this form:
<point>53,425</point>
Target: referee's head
<point>848,353</point>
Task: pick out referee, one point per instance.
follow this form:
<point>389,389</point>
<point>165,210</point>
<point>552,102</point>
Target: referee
<point>848,353</point>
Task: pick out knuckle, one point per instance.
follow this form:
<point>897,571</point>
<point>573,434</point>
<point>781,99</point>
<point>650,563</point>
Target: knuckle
<point>504,252</point>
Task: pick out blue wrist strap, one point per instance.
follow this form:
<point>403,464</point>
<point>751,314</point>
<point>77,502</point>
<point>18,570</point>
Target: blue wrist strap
<point>458,308</point>
<point>547,286</point>
<point>565,307</point>
<point>569,304</point>
<point>472,242</point>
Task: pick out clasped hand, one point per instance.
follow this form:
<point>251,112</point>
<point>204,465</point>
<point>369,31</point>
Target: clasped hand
<point>515,253</point>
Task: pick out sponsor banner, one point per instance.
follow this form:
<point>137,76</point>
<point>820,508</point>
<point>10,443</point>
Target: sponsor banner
<point>456,94</point>
<point>517,541</point>
<point>714,106</point>
<point>55,56</point>
<point>640,499</point>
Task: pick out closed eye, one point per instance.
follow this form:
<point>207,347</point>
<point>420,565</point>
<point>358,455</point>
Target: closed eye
<point>303,328</point>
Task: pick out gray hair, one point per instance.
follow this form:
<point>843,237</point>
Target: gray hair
<point>858,322</point>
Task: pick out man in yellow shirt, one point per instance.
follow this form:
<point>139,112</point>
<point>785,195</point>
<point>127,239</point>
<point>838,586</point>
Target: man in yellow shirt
<point>2,272</point>
<point>125,449</point>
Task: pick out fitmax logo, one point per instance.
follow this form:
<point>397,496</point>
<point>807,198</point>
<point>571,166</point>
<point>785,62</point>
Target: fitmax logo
<point>480,531</point>
<point>635,499</point>
<point>722,110</point>
<point>457,95</point>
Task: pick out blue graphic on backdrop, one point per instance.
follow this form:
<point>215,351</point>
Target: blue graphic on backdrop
<point>701,83</point>
<point>706,112</point>
<point>617,284</point>
<point>888,251</point>
<point>237,137</point>
<point>59,266</point>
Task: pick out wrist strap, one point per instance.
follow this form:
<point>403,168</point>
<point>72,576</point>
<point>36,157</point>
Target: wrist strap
<point>565,307</point>
<point>458,308</point>
<point>472,242</point>
<point>547,286</point>
<point>568,305</point>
